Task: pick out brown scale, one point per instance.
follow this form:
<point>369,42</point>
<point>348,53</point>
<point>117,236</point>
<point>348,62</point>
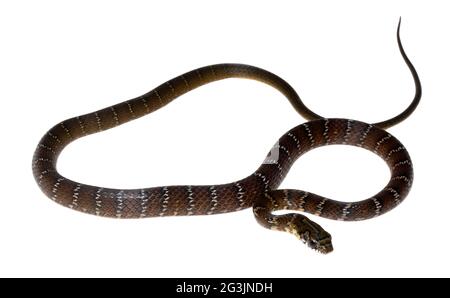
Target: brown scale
<point>258,189</point>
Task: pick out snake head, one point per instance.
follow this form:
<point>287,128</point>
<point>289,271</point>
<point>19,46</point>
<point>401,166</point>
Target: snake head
<point>311,234</point>
<point>319,242</point>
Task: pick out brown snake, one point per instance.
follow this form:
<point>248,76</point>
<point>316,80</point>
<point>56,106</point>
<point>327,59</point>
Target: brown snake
<point>257,190</point>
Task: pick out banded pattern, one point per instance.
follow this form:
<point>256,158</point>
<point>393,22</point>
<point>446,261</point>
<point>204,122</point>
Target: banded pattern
<point>158,201</point>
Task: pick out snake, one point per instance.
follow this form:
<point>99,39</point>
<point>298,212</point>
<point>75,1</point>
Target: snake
<point>258,190</point>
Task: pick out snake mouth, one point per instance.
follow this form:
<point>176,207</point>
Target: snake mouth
<point>323,246</point>
<point>326,248</point>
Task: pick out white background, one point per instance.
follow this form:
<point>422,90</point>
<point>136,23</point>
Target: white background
<point>61,59</point>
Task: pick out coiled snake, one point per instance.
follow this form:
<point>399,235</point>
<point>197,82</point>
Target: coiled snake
<point>257,190</point>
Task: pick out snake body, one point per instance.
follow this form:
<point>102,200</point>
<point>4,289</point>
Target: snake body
<point>258,189</point>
